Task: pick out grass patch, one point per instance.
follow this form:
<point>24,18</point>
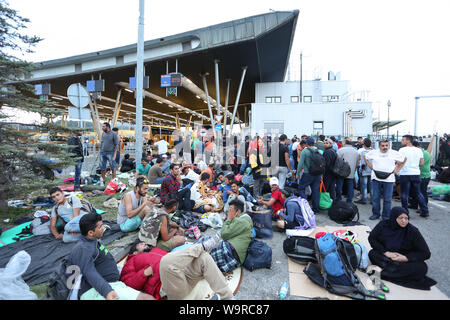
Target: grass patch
<point>13,213</point>
<point>40,289</point>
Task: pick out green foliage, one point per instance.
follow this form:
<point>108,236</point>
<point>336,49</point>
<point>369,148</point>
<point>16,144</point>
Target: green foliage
<point>25,164</point>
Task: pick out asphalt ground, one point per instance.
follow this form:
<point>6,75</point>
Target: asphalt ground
<point>264,284</point>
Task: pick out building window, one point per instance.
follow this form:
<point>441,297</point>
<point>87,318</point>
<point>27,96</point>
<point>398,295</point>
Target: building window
<point>318,127</point>
<point>324,98</point>
<point>307,98</point>
<point>294,99</point>
<point>277,99</point>
<point>268,99</point>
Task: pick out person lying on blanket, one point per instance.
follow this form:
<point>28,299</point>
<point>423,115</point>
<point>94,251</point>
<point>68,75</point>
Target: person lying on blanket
<point>100,276</point>
<point>157,230</point>
<point>236,236</point>
<point>206,200</point>
<point>173,275</point>
<point>65,216</point>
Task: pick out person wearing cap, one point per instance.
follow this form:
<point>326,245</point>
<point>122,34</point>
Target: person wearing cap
<point>276,200</point>
<point>308,179</point>
<point>400,250</point>
<point>165,166</point>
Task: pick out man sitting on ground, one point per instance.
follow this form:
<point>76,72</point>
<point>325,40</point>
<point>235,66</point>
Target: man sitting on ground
<point>134,206</point>
<point>276,201</point>
<point>171,189</point>
<point>157,230</point>
<point>143,168</point>
<point>236,235</point>
<point>165,167</point>
<point>65,216</point>
<point>155,174</point>
<point>100,276</point>
<point>205,199</point>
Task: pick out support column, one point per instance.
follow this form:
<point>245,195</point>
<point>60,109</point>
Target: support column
<point>209,104</point>
<point>95,121</point>
<point>139,81</point>
<point>244,70</point>
<point>226,107</point>
<point>117,107</point>
<point>219,109</point>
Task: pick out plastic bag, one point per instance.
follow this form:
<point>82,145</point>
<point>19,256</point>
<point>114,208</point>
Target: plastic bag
<point>12,286</point>
<point>113,186</point>
<point>213,220</point>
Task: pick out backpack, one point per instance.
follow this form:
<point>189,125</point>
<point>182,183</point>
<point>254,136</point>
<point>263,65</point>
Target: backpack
<point>316,163</point>
<point>309,218</point>
<point>300,249</point>
<point>85,206</point>
<point>41,225</point>
<point>335,270</point>
<point>259,255</point>
<point>343,212</point>
<point>58,286</point>
<point>341,168</point>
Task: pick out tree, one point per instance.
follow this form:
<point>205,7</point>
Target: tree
<point>25,163</point>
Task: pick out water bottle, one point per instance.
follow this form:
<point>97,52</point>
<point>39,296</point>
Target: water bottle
<point>283,290</point>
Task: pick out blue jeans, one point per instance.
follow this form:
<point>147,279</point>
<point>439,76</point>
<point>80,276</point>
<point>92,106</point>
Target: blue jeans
<point>159,180</point>
<point>246,194</point>
<point>313,181</point>
<point>339,186</point>
<point>107,157</point>
<point>412,182</point>
<point>365,180</point>
<point>423,189</point>
<point>377,187</point>
<point>78,173</point>
<point>73,226</point>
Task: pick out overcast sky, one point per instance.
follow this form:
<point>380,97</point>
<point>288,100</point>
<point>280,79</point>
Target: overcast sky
<point>395,49</point>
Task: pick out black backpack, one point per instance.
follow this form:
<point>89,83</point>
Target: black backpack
<point>57,288</point>
<point>259,255</point>
<point>341,168</point>
<point>316,162</point>
<point>300,249</point>
<point>343,212</point>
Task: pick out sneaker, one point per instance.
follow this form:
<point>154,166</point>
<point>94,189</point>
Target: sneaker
<point>211,243</point>
<point>361,202</point>
<point>424,215</point>
<point>373,217</point>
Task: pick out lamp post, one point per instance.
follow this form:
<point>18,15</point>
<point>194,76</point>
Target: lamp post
<point>389,106</point>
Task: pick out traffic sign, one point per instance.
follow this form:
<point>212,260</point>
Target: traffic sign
<point>218,127</point>
<point>78,95</point>
<point>218,118</point>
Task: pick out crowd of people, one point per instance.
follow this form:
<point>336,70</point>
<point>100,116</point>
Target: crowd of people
<point>258,174</point>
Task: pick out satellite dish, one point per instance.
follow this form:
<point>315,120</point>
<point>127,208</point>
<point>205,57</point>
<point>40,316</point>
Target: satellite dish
<point>78,95</point>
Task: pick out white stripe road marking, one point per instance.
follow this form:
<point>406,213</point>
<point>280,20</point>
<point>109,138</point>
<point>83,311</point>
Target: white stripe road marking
<point>437,204</point>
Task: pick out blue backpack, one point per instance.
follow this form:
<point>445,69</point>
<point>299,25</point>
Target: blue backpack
<point>335,271</point>
<point>259,255</point>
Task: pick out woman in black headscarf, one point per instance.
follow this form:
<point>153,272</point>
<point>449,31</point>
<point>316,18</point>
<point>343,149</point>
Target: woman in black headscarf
<point>400,250</point>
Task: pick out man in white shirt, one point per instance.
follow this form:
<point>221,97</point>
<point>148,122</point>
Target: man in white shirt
<point>382,161</point>
<point>410,175</point>
<point>162,146</point>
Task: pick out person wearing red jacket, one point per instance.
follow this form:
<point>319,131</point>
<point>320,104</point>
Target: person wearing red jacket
<point>141,271</point>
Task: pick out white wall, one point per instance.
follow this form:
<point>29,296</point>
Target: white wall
<point>292,88</point>
<point>298,118</point>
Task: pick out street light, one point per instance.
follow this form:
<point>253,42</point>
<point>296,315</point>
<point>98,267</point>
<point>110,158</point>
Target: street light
<point>389,106</point>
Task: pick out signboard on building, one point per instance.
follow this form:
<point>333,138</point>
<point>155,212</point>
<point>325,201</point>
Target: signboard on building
<point>171,80</point>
